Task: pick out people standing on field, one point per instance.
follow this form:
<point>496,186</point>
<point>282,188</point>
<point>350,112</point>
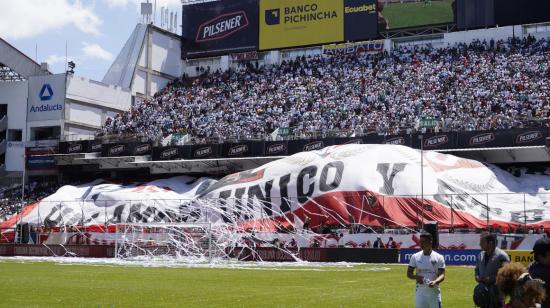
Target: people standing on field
<point>392,243</point>
<point>489,261</point>
<point>427,267</point>
<point>540,268</point>
<point>378,243</point>
<point>519,287</point>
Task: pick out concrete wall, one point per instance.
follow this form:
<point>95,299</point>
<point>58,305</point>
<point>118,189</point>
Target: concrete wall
<point>88,103</point>
<point>159,62</point>
<point>97,93</point>
<point>537,30</point>
<point>501,33</point>
<point>166,54</point>
<point>190,66</point>
<point>14,94</point>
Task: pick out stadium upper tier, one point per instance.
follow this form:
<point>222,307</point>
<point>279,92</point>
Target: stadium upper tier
<point>484,85</point>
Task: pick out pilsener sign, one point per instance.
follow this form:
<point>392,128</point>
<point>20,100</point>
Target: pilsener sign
<point>219,27</point>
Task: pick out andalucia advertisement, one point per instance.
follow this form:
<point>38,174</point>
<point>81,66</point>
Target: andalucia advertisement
<point>292,23</point>
<point>46,97</point>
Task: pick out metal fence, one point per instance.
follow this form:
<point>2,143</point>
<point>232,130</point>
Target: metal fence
<point>294,133</point>
<point>519,209</point>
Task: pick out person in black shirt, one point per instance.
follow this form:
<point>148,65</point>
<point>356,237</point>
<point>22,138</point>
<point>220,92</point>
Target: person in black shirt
<point>489,261</point>
<point>378,243</point>
<point>540,268</point>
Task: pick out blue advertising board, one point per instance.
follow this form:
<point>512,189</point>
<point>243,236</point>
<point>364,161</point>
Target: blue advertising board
<point>452,256</point>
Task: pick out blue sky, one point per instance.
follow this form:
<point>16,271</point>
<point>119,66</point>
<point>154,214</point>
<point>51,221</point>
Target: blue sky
<point>95,30</point>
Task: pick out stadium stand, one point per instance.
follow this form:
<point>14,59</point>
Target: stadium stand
<point>485,85</point>
<point>10,196</point>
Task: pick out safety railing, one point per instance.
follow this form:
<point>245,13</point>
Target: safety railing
<point>255,210</point>
<point>297,133</point>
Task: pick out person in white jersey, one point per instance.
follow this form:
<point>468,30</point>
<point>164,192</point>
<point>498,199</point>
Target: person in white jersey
<point>430,272</point>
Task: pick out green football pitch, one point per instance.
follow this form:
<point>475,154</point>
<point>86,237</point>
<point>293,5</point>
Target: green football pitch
<point>49,284</point>
<point>412,14</point>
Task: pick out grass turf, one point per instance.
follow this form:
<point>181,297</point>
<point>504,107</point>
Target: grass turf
<point>47,284</point>
<point>400,15</point>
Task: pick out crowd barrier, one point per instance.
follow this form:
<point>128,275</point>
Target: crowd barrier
<point>451,256</point>
<point>524,257</point>
<point>431,141</point>
<point>357,255</point>
<point>85,251</point>
<point>272,254</point>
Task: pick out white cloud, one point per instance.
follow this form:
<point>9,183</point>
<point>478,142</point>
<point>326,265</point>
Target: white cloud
<point>170,3</point>
<point>57,59</point>
<point>95,51</point>
<point>54,59</point>
<point>117,3</point>
<point>173,4</point>
<point>28,18</point>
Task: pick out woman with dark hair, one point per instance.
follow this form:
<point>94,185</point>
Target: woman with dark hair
<point>522,290</point>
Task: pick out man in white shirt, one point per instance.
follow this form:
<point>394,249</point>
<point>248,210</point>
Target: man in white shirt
<point>430,272</point>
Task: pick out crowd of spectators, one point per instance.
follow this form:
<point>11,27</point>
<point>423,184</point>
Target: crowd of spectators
<point>483,85</point>
<point>10,196</point>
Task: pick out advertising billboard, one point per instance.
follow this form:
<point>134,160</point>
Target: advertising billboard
<point>515,12</point>
<point>353,48</point>
<point>220,27</point>
<point>292,23</point>
<point>46,97</point>
<point>287,23</point>
<point>451,256</point>
<point>524,257</point>
<point>394,14</point>
<point>40,158</point>
<point>360,20</point>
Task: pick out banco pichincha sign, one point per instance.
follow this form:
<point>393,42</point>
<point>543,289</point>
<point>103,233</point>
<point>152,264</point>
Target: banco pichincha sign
<point>293,23</point>
<point>46,97</point>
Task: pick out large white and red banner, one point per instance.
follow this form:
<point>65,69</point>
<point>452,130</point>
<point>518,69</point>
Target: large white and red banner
<point>375,185</point>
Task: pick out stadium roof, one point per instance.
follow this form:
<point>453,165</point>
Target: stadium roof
<point>214,166</point>
<point>122,70</point>
<point>15,65</point>
<point>219,166</point>
<point>504,155</point>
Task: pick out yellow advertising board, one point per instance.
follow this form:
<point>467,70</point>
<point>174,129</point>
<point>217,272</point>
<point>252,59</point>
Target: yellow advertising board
<point>287,23</point>
<point>524,257</point>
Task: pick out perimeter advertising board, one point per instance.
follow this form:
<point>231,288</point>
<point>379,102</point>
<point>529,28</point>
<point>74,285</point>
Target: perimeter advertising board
<point>451,256</point>
<point>46,97</point>
<point>290,23</point>
<point>40,158</point>
<point>220,27</point>
<point>360,20</point>
<point>353,48</point>
<point>524,257</point>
